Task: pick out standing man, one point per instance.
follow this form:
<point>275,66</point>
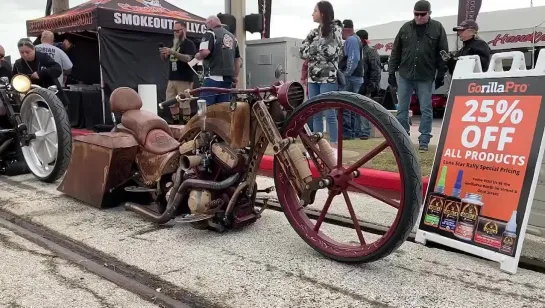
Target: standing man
<point>371,76</point>
<point>221,60</point>
<point>473,45</point>
<point>416,55</point>
<point>352,68</point>
<point>47,46</point>
<point>180,76</point>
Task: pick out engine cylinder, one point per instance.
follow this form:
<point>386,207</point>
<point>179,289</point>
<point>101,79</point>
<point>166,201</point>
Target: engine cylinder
<point>197,201</point>
<point>192,161</point>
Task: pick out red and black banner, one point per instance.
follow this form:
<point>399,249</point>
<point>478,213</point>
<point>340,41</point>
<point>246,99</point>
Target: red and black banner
<point>156,16</point>
<point>265,10</point>
<point>468,9</point>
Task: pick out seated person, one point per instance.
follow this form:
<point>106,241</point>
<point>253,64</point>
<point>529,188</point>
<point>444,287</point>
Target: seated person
<point>40,67</point>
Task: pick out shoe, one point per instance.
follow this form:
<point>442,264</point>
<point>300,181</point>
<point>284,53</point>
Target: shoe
<point>423,148</point>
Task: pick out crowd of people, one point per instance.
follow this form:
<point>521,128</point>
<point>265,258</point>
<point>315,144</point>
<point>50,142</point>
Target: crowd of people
<point>336,58</point>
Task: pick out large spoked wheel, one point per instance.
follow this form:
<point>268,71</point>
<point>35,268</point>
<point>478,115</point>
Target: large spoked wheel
<point>344,179</point>
<point>48,155</point>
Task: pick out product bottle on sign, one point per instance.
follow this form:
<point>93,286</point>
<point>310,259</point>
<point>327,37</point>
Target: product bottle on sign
<point>509,235</point>
<point>436,201</point>
<point>453,203</point>
<point>469,212</point>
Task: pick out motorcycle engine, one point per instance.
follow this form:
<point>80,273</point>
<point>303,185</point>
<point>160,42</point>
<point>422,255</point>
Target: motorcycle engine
<point>210,161</point>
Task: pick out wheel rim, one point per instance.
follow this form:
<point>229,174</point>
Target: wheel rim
<point>41,153</point>
<point>343,179</point>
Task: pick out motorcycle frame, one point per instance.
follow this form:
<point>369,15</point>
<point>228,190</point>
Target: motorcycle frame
<point>9,98</point>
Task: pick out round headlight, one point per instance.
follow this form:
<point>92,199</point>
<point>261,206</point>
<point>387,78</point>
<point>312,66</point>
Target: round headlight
<point>21,83</point>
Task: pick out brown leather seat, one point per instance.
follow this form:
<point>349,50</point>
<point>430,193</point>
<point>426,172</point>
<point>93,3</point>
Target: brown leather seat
<point>150,130</point>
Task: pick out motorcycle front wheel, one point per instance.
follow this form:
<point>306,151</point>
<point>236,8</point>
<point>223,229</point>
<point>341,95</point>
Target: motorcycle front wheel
<point>345,174</point>
<point>47,156</point>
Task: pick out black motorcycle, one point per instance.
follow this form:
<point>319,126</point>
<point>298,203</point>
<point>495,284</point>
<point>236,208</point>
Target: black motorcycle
<point>35,132</point>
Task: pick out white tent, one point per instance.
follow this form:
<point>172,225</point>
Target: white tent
<point>506,29</point>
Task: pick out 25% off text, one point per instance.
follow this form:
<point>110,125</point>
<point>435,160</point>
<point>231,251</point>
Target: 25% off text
<point>487,143</point>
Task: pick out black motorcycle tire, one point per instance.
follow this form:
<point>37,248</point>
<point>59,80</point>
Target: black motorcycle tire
<point>64,132</point>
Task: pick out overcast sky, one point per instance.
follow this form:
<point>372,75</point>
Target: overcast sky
<point>290,18</point>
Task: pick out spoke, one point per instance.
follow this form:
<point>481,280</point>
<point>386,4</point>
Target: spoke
<point>340,134</point>
<point>306,139</point>
<point>354,218</point>
<point>36,157</point>
<point>37,116</point>
<point>324,211</point>
<point>367,157</point>
<point>47,148</point>
<point>374,194</point>
<point>48,120</point>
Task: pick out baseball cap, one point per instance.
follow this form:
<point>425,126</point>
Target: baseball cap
<point>467,24</point>
<point>422,6</point>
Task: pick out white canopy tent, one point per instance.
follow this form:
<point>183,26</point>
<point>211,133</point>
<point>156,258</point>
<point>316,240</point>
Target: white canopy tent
<point>506,29</point>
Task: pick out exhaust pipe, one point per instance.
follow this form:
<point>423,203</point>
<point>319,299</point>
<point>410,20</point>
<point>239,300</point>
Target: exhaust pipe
<point>190,161</point>
<point>175,202</point>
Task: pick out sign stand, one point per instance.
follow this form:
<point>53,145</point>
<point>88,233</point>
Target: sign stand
<point>488,159</point>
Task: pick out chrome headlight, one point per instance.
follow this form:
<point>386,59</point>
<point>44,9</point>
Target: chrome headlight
<point>21,83</point>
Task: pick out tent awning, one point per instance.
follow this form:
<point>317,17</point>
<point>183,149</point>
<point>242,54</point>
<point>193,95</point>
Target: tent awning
<point>139,15</point>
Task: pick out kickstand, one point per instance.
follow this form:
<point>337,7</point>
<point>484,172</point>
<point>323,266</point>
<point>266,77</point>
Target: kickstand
<point>266,190</point>
<point>265,205</point>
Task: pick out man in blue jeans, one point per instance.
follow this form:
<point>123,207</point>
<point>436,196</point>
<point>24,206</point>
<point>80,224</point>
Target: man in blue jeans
<point>416,55</point>
<point>221,60</point>
<point>352,67</point>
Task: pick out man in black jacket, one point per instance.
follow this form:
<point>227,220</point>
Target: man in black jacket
<point>473,45</point>
<point>416,54</point>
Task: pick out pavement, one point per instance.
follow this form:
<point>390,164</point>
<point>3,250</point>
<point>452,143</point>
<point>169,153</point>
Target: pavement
<point>435,130</point>
<point>31,276</point>
<point>265,264</point>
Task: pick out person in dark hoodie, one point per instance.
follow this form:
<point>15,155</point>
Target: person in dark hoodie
<point>371,76</point>
<point>5,66</point>
<point>40,67</point>
<point>473,45</point>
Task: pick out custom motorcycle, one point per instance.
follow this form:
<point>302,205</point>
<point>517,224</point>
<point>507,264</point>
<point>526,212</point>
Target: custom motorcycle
<point>204,173</point>
<point>35,131</point>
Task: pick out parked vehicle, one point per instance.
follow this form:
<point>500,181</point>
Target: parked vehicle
<point>35,131</point>
<point>204,173</point>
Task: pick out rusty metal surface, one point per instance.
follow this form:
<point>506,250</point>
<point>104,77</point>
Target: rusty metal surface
<point>96,168</point>
<point>149,164</point>
<point>232,126</point>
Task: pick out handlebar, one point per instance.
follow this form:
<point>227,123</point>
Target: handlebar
<point>183,97</point>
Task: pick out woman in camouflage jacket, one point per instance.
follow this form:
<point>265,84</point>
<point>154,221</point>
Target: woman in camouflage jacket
<point>322,48</point>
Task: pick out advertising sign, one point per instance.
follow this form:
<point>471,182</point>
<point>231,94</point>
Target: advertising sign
<point>484,175</point>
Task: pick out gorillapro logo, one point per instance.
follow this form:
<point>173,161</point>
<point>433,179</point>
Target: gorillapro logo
<point>497,87</point>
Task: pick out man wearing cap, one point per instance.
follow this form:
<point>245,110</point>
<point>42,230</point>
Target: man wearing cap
<point>416,55</point>
<point>352,68</point>
<point>472,45</point>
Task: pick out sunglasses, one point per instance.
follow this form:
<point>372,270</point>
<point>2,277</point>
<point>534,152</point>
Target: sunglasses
<point>420,14</point>
<point>1,56</point>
